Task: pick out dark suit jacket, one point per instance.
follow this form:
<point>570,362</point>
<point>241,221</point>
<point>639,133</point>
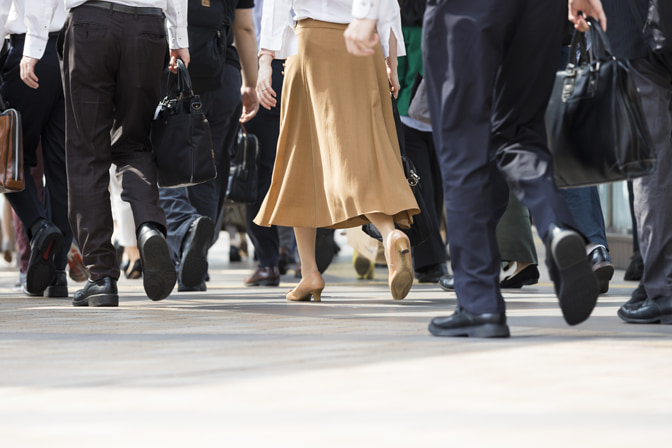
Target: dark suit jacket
<point>625,23</point>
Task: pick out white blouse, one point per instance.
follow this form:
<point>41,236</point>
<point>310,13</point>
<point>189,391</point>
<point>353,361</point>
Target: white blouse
<point>277,23</point>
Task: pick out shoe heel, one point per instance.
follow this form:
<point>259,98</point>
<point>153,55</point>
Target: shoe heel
<point>317,295</point>
<point>402,246</point>
<point>666,320</point>
<point>401,279</point>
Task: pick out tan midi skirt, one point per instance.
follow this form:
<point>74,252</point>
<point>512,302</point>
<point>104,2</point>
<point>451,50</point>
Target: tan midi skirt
<point>338,154</point>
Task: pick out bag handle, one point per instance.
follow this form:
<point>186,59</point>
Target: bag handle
<point>184,88</point>
<point>178,85</point>
<point>599,45</point>
<point>578,43</point>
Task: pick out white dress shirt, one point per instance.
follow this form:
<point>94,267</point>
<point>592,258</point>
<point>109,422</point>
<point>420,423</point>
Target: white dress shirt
<point>39,14</point>
<point>277,23</point>
<point>14,17</point>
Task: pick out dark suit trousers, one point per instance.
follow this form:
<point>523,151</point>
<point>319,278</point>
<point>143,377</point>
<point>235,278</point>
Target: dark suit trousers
<point>490,67</point>
<point>42,118</point>
<point>266,126</point>
<point>111,67</point>
<point>420,149</point>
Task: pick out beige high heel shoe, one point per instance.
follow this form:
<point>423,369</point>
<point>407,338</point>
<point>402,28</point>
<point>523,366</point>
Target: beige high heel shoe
<point>398,255</point>
<point>311,285</point>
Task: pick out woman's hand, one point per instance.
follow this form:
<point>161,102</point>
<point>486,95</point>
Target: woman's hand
<point>392,76</point>
<point>266,94</point>
<point>250,103</point>
<point>588,8</point>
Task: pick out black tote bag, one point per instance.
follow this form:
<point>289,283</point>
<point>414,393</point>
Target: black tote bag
<point>181,139</point>
<point>595,123</point>
<point>243,182</point>
<point>423,225</point>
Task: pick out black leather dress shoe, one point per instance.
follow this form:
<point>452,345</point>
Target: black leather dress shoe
<point>194,260</point>
<point>447,282</point>
<point>158,270</point>
<point>602,266</point>
<point>575,283</point>
<point>46,241</point>
<point>431,274</point>
<point>528,276</point>
<point>464,323</point>
<point>100,293</point>
<point>59,287</point>
<point>268,276</point>
<point>651,311</point>
<point>636,300</point>
<point>201,287</point>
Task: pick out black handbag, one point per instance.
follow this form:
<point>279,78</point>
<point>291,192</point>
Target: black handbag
<point>243,172</point>
<point>423,225</point>
<point>596,127</point>
<point>181,139</point>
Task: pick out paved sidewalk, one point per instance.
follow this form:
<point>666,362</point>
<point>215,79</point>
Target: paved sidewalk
<point>239,366</point>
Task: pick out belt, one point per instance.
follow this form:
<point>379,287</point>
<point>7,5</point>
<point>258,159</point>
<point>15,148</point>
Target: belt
<point>116,7</point>
<point>15,39</point>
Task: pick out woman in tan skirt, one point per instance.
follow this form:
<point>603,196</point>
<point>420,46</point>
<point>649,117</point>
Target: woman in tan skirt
<point>338,163</point>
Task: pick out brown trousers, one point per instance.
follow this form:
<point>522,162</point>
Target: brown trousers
<point>111,63</point>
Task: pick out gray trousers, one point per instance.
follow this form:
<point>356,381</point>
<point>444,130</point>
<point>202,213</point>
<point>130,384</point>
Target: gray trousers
<point>653,193</point>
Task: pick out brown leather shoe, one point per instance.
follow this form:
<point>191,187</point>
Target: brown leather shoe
<point>268,276</point>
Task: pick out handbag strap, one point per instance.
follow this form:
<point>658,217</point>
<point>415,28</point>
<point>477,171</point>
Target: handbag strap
<point>578,43</point>
<point>600,48</point>
<point>184,89</point>
<point>178,85</point>
<point>413,177</point>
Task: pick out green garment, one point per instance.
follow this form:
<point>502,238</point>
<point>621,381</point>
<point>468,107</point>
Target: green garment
<point>409,65</point>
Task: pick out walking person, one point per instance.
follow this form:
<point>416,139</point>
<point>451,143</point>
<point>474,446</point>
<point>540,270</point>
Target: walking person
<point>338,163</point>
<point>112,56</point>
<point>487,102</point>
<point>191,212</point>
<point>42,109</point>
<point>651,301</point>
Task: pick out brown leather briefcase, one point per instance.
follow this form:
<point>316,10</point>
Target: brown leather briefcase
<point>11,150</point>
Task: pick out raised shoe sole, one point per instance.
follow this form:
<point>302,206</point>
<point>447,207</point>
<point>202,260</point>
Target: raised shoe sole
<point>578,287</point>
<point>159,274</point>
<point>604,274</point>
<point>194,263</point>
<point>41,270</point>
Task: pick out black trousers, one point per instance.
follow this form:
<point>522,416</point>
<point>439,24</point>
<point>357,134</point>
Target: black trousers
<point>266,126</point>
<point>43,119</point>
<point>420,149</point>
<point>490,67</point>
<point>222,107</point>
<point>111,63</point>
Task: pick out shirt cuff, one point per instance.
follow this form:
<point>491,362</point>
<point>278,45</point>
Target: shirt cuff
<point>178,38</point>
<point>34,46</point>
<point>365,9</point>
